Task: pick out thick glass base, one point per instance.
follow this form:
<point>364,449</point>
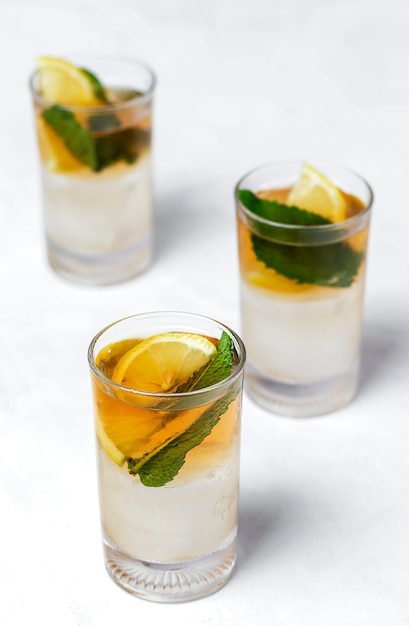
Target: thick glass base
<point>302,400</point>
<point>100,270</point>
<point>170,582</point>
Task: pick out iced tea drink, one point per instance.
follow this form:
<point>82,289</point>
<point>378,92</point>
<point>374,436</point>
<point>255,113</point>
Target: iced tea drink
<point>167,399</point>
<point>302,236</point>
<point>93,125</point>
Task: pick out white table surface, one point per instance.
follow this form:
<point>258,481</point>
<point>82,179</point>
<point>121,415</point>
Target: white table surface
<point>324,510</point>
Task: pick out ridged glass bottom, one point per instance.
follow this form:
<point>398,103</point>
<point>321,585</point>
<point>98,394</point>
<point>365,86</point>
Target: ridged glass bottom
<point>100,270</point>
<point>177,582</point>
<point>302,400</point>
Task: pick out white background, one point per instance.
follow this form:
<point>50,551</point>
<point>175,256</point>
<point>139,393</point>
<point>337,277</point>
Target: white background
<point>324,515</point>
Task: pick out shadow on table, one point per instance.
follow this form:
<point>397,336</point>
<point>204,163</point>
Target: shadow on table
<point>266,524</point>
<point>188,212</point>
<point>383,343</point>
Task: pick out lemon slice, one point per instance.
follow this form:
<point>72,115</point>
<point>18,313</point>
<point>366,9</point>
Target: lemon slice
<point>159,364</point>
<point>60,82</point>
<point>106,442</point>
<point>124,430</point>
<point>316,193</point>
<point>273,281</point>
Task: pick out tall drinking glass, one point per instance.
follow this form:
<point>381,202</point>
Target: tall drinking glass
<point>167,400</point>
<point>95,164</point>
<point>302,284</point>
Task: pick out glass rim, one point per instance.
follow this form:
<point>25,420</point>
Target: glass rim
<point>294,227</point>
<point>235,374</point>
<point>104,108</point>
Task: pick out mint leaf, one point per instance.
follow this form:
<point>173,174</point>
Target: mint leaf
<point>324,264</point>
<point>162,465</point>
<point>219,367</point>
<point>331,265</point>
<point>213,372</point>
<point>96,152</point>
<point>102,122</point>
<point>97,87</point>
<point>77,140</point>
<point>118,146</point>
<point>281,213</point>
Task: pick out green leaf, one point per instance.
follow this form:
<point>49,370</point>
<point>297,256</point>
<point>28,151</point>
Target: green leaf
<point>163,464</point>
<point>99,151</point>
<point>213,372</point>
<point>219,367</point>
<point>281,213</point>
<point>118,146</point>
<point>326,264</point>
<point>331,265</point>
<point>102,122</point>
<point>97,86</point>
<point>77,140</point>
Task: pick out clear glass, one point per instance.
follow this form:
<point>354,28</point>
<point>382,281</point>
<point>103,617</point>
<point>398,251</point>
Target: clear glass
<point>303,340</point>
<point>98,214</point>
<point>177,541</point>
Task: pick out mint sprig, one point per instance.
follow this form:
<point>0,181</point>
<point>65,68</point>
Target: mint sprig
<point>118,146</point>
<point>213,372</point>
<point>99,151</point>
<point>330,265</point>
<point>97,86</point>
<point>275,211</point>
<point>324,264</point>
<point>77,140</point>
<point>163,464</point>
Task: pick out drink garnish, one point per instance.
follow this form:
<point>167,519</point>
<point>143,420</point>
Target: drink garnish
<point>96,152</point>
<point>316,192</point>
<point>97,143</point>
<point>163,366</point>
<point>163,464</point>
<point>118,146</point>
<point>329,264</point>
<point>61,82</point>
<point>213,372</point>
<point>80,143</point>
<point>279,212</point>
<point>96,85</point>
<point>162,362</point>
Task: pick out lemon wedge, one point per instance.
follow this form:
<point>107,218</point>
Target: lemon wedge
<point>61,82</point>
<point>159,364</point>
<point>318,194</point>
